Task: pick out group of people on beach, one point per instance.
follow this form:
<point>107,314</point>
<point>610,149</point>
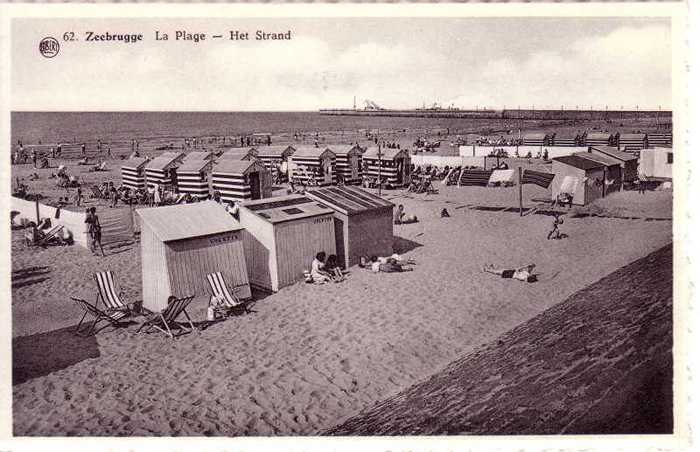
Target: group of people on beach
<point>328,269</point>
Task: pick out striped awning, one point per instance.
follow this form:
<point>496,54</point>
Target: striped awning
<point>475,177</point>
<point>537,178</point>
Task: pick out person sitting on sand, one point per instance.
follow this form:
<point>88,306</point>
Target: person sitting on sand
<point>398,216</point>
<point>444,213</point>
<point>521,273</point>
<point>331,266</point>
<point>318,272</point>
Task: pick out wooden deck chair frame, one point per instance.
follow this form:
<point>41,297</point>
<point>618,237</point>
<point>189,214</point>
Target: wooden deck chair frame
<point>112,318</point>
<point>166,319</point>
<point>43,240</point>
<point>107,293</point>
<point>220,290</point>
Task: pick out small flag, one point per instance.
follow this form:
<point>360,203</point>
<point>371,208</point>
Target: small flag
<point>537,178</point>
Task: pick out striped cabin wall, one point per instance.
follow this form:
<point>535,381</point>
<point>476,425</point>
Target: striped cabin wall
<point>389,169</point>
<point>193,183</point>
<point>632,143</point>
<point>659,139</point>
<point>158,177</point>
<point>133,178</point>
<point>231,186</point>
<point>312,165</point>
<point>349,166</point>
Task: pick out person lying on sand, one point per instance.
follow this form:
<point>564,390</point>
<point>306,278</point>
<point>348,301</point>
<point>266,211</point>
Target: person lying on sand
<point>521,274</point>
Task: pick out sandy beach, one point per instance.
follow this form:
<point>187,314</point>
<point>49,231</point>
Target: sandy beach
<point>309,357</point>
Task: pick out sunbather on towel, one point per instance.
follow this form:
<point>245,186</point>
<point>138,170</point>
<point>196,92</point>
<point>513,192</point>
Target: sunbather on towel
<point>521,274</point>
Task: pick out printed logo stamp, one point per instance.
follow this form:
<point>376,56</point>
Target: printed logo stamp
<point>49,47</point>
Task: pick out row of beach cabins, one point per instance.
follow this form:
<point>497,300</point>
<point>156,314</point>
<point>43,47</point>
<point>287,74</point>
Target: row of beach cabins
<point>245,174</point>
<point>622,141</point>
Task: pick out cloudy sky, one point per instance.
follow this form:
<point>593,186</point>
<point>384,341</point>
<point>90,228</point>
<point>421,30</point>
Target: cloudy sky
<point>398,63</point>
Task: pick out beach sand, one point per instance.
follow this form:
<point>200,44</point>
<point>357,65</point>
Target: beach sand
<point>310,356</point>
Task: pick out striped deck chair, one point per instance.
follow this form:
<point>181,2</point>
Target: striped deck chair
<point>223,301</point>
<point>107,292</point>
<point>90,328</point>
<point>43,239</point>
<point>166,320</point>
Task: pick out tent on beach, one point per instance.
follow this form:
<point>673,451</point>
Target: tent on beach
<point>241,180</point>
<point>161,171</point>
<point>193,177</point>
<point>363,222</point>
<point>181,244</point>
<point>282,235</point>
<point>133,175</point>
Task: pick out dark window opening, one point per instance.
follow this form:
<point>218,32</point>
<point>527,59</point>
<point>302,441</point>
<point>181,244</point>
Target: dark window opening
<point>292,211</point>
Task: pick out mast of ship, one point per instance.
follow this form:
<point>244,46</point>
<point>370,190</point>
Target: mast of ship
<point>354,103</point>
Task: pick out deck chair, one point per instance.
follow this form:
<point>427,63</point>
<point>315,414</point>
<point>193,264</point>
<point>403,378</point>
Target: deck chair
<point>90,327</point>
<point>42,239</point>
<point>221,298</point>
<point>96,192</point>
<point>107,292</point>
<point>165,320</point>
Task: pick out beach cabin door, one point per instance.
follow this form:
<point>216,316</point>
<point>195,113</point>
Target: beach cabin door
<point>327,167</point>
<point>255,189</point>
<point>354,164</point>
<point>401,171</point>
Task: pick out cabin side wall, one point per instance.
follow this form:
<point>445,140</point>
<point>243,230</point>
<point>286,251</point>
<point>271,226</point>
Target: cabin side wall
<point>560,171</point>
<point>259,245</point>
<point>190,260</point>
<point>154,271</point>
<point>298,242</point>
<point>370,233</point>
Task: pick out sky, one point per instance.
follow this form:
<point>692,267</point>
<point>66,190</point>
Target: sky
<point>396,62</point>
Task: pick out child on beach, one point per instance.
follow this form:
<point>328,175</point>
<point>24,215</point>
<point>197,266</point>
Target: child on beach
<point>333,268</point>
<point>521,274</point>
<point>555,233</point>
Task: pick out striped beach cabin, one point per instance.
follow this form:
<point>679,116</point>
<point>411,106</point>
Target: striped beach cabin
<point>198,155</point>
<point>348,163</point>
<point>660,139</point>
<point>274,155</point>
<point>315,162</point>
<point>238,154</point>
<point>567,139</point>
<point>394,165</point>
<point>281,237</point>
<point>193,177</point>
<point>363,222</point>
<point>181,244</point>
<point>133,175</point>
<point>599,139</point>
<point>632,141</point>
<point>241,180</point>
<point>537,139</point>
<point>161,171</point>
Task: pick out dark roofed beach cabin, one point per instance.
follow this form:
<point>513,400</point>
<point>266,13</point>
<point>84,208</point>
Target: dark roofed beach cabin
<point>282,235</point>
<point>133,175</point>
<point>578,176</point>
<point>161,171</point>
<point>315,162</point>
<point>348,163</point>
<point>612,174</point>
<point>628,161</point>
<point>394,166</point>
<point>363,222</point>
<point>241,180</point>
<point>193,177</point>
<point>181,244</point>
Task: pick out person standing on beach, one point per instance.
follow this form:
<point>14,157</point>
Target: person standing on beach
<point>79,196</point>
<point>95,230</point>
<point>109,151</point>
<point>34,157</point>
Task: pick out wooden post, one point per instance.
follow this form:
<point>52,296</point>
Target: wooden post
<point>36,203</point>
<point>520,189</point>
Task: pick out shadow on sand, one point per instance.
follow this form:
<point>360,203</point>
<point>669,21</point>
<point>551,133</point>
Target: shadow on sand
<point>42,353</point>
<point>402,245</point>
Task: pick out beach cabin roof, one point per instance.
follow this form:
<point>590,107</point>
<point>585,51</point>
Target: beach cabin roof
<point>340,149</point>
<point>604,159</point>
<point>275,150</point>
<point>135,163</point>
<point>235,154</point>
<point>348,199</point>
<point>198,155</point>
<point>387,153</point>
<point>183,221</point>
<point>632,136</point>
<point>313,151</point>
<point>615,153</point>
<point>579,162</point>
<point>286,208</point>
<point>237,166</point>
<point>193,166</point>
<point>599,136</point>
<point>535,136</point>
<point>164,161</point>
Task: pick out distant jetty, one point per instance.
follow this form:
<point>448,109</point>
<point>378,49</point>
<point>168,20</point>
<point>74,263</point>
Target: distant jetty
<point>502,114</point>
